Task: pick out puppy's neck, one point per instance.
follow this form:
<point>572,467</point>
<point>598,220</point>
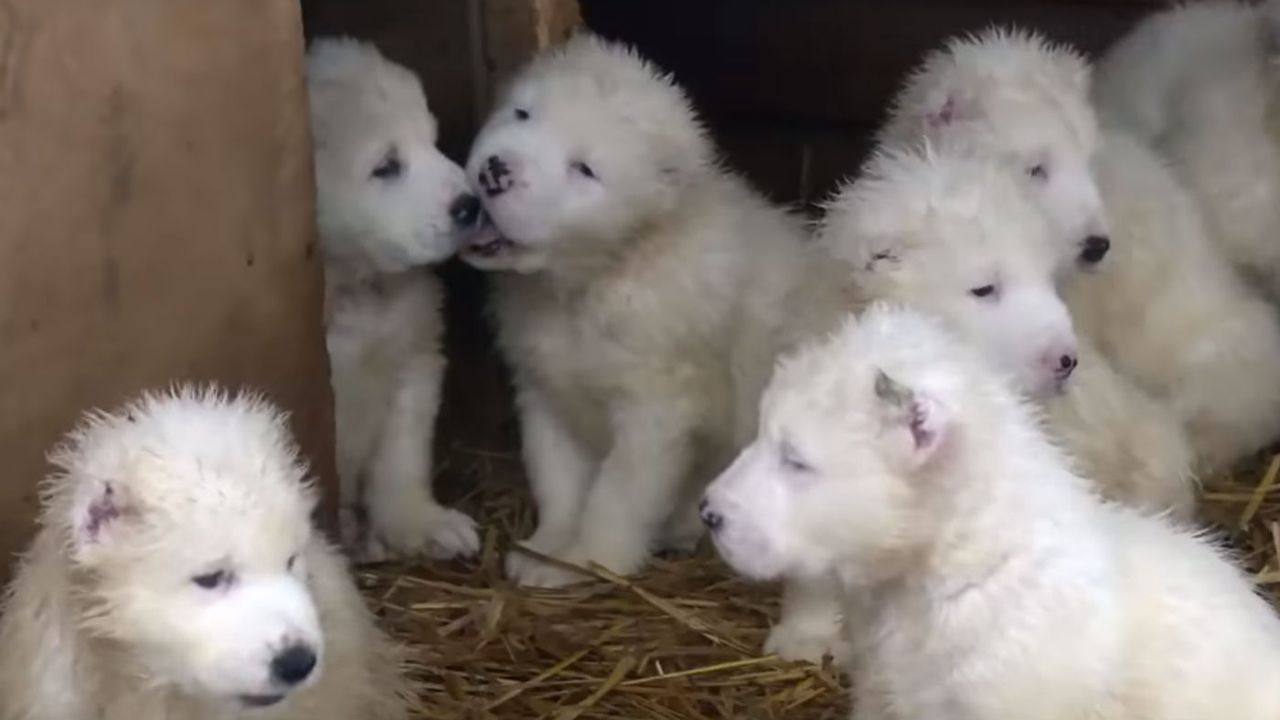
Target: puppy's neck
<point>590,262</point>
<point>343,276</point>
<point>347,284</point>
<point>1002,501</point>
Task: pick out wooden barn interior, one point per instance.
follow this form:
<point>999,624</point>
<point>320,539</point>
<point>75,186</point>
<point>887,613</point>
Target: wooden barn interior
<point>155,170</point>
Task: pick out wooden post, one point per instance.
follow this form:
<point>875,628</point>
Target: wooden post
<point>156,219</point>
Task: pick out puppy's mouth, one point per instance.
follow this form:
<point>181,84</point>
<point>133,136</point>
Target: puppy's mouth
<point>488,242</point>
<point>492,248</point>
<point>1055,387</point>
<point>260,701</point>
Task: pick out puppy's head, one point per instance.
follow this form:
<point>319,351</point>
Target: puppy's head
<point>852,433</point>
<point>588,145</point>
<point>1013,94</point>
<point>186,518</point>
<point>386,197</point>
<point>953,231</point>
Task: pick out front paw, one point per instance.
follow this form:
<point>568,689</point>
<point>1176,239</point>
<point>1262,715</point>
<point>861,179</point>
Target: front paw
<point>809,642</point>
<point>423,529</point>
<point>528,571</point>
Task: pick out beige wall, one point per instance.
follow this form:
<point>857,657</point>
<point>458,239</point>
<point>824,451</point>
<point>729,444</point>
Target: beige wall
<point>157,217</point>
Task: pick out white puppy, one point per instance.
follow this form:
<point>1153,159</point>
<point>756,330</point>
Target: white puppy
<point>1199,81</point>
<point>176,574</point>
<point>642,295</point>
<point>1012,91</point>
<point>955,232</point>
<point>1164,306</point>
<point>387,202</point>
<point>990,581</point>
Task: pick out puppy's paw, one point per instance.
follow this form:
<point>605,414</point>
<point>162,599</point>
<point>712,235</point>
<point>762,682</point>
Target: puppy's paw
<point>421,528</point>
<point>809,641</point>
<point>528,571</point>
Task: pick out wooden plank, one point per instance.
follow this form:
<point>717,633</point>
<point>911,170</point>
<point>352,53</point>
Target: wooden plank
<point>157,219</point>
<point>512,31</point>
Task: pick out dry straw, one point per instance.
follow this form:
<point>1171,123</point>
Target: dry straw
<point>681,642</point>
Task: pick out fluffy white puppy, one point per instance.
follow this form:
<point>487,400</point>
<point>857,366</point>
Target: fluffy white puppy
<point>1199,81</point>
<point>176,574</point>
<point>989,580</point>
<point>955,232</point>
<point>387,202</point>
<point>642,294</point>
<point>1013,91</point>
<point>1164,306</point>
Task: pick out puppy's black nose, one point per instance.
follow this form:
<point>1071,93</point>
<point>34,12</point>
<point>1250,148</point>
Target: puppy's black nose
<point>709,517</point>
<point>1066,366</point>
<point>465,209</point>
<point>1095,248</point>
<point>495,176</point>
<point>293,665</point>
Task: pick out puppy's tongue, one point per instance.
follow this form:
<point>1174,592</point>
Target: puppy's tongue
<point>491,248</point>
<point>487,241</point>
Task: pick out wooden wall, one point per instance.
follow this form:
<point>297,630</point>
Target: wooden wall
<point>156,218</point>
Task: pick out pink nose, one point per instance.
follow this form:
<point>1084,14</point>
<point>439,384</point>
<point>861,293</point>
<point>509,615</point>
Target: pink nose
<point>1059,361</point>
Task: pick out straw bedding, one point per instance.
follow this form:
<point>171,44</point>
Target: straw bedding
<point>681,642</point>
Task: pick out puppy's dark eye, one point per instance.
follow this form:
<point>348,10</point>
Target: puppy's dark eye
<point>792,461</point>
<point>984,291</point>
<point>389,167</point>
<point>293,560</point>
<point>522,114</point>
<point>584,170</point>
<point>213,580</point>
<point>1039,172</point>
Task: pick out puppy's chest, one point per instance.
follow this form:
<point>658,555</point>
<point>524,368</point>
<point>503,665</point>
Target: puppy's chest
<point>576,348</point>
<point>376,327</point>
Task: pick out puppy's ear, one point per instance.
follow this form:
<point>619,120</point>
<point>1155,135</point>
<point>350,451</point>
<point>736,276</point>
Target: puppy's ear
<point>949,107</point>
<point>917,423</point>
<point>102,513</point>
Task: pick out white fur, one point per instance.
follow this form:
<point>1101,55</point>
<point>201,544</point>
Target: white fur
<point>929,227</point>
<point>1167,309</point>
<point>1200,82</point>
<point>104,619</point>
<point>384,312</point>
<point>989,580</point>
<point>640,300</point>
<point>1028,97</point>
<point>1163,305</point>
